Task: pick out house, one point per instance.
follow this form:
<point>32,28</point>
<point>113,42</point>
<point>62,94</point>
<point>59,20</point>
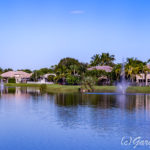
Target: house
<point>103,80</point>
<point>143,79</point>
<point>44,78</point>
<point>20,76</point>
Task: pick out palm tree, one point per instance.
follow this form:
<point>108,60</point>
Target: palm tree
<point>107,59</point>
<point>117,71</point>
<point>135,67</point>
<point>1,70</point>
<point>131,72</point>
<point>95,60</point>
<point>145,69</point>
<point>148,61</point>
<point>88,83</point>
<point>82,68</point>
<point>74,69</point>
<point>103,59</point>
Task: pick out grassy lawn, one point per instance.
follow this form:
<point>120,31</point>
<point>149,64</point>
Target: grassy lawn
<point>62,88</point>
<point>104,88</point>
<point>50,88</point>
<point>22,85</point>
<point>70,88</point>
<point>138,89</point>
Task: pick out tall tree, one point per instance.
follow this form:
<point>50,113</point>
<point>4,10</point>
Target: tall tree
<point>116,73</point>
<point>107,59</point>
<point>1,70</point>
<point>26,70</point>
<point>134,67</point>
<point>74,69</point>
<point>67,62</point>
<point>9,69</point>
<point>95,60</point>
<point>103,59</point>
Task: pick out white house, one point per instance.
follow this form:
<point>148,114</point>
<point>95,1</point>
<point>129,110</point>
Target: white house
<point>43,79</point>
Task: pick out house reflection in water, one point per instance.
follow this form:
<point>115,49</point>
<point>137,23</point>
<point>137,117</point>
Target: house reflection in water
<point>143,102</point>
<point>19,92</point>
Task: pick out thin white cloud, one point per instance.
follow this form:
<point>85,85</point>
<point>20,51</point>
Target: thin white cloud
<point>77,12</point>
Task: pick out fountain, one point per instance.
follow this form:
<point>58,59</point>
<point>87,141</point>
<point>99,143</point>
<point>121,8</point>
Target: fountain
<point>123,84</point>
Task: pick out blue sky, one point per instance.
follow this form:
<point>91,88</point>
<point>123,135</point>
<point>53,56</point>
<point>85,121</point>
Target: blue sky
<point>38,33</point>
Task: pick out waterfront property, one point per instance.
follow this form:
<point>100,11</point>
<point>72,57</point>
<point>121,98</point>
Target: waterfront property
<point>143,79</point>
<point>43,79</point>
<point>19,76</point>
<point>103,80</point>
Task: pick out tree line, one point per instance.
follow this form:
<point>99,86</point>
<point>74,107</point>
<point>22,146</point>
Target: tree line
<point>71,71</point>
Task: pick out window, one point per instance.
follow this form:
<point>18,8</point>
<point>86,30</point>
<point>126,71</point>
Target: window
<point>141,80</point>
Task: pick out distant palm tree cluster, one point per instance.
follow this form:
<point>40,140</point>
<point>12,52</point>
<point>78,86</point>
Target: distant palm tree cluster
<point>103,59</point>
<point>101,69</point>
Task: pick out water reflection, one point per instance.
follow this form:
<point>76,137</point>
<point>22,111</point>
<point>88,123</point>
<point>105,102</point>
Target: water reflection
<point>129,102</point>
<point>74,116</point>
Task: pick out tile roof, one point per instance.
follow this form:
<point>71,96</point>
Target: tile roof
<point>12,74</point>
<point>105,68</point>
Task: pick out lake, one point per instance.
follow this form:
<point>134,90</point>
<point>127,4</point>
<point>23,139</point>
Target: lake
<point>30,120</point>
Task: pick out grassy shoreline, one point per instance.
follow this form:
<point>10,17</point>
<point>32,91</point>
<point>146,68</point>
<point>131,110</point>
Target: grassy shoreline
<point>69,88</point>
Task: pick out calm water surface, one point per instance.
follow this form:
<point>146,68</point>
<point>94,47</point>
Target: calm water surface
<point>33,121</point>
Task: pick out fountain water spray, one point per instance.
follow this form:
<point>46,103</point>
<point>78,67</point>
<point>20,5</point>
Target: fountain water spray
<point>123,84</point>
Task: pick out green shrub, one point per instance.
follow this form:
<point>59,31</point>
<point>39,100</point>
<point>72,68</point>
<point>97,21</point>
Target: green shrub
<point>11,80</point>
<point>72,80</point>
<point>88,83</point>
